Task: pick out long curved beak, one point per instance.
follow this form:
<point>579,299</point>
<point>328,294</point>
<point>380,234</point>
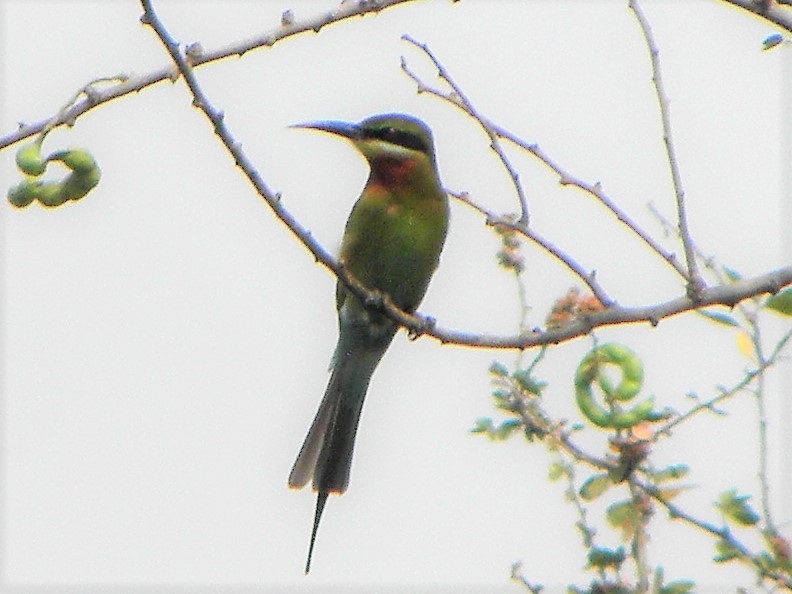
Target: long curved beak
<point>345,129</point>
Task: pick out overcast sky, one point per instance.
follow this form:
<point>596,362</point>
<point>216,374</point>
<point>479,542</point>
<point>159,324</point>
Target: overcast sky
<point>166,340</point>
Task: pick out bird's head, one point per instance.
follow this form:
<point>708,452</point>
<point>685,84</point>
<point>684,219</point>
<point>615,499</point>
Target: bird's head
<point>386,140</point>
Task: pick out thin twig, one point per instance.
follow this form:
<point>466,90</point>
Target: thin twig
<point>726,394</point>
<point>695,282</point>
<point>198,57</point>
<point>770,10</point>
<point>464,101</point>
<point>493,219</point>
<point>565,178</point>
<point>722,533</point>
<point>419,325</point>
<point>415,323</point>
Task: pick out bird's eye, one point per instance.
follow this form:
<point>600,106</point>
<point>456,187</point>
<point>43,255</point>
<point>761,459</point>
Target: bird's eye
<point>399,137</point>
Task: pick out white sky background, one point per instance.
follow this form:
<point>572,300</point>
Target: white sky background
<point>166,340</point>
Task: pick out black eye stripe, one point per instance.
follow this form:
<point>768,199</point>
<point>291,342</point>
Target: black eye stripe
<point>400,137</point>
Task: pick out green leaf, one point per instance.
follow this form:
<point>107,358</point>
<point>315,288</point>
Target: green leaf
<point>719,317</point>
<point>726,552</point>
<point>670,473</point>
<point>625,516</point>
<point>501,394</point>
<point>602,557</point>
<point>527,383</point>
<point>595,486</point>
<point>498,369</point>
<point>483,425</point>
<point>732,274</point>
<point>557,470</point>
<point>735,508</point>
<point>507,428</point>
<point>678,587</point>
<point>781,302</point>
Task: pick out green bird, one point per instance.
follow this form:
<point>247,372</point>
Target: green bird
<point>392,244</point>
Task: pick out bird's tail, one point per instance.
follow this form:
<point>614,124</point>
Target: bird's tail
<point>326,453</point>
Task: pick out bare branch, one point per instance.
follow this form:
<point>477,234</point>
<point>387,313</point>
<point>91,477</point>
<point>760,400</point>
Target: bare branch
<point>493,219</point>
<point>287,27</point>
<point>565,178</point>
<point>461,99</point>
<point>770,10</point>
<point>695,282</point>
<point>416,324</point>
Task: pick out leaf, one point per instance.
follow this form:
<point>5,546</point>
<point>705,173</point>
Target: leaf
<point>736,509</point>
<point>726,552</point>
<point>498,369</point>
<point>719,317</point>
<point>732,274</point>
<point>527,383</point>
<point>624,515</point>
<point>595,486</point>
<point>507,428</point>
<point>602,557</point>
<point>483,425</point>
<point>771,41</point>
<point>745,345</point>
<point>781,302</point>
<point>678,587</point>
<point>668,493</point>
<point>670,473</point>
<point>557,470</point>
<point>501,394</point>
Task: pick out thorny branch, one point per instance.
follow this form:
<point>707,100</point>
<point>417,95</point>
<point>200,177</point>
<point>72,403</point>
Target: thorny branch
<point>565,178</point>
<point>419,325</point>
<point>778,12</point>
<point>695,282</point>
<point>128,83</point>
<point>562,438</point>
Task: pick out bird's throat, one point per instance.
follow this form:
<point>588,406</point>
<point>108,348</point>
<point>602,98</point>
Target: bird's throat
<point>391,172</point>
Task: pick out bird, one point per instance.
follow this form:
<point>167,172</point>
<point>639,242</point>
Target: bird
<point>391,244</point>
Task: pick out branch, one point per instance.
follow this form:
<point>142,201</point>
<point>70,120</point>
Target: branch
<point>419,325</point>
<point>289,26</point>
<point>723,533</point>
<point>493,219</point>
<point>769,10</point>
<point>565,178</point>
<point>726,394</point>
<point>695,282</point>
<point>461,98</point>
